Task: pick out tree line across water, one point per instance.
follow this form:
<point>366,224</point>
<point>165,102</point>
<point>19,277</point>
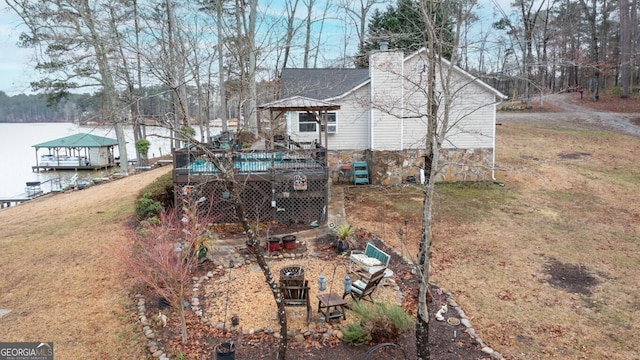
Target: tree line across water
<point>80,108</point>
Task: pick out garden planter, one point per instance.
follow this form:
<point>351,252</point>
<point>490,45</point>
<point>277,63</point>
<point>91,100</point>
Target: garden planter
<point>342,245</point>
<point>273,243</point>
<point>226,351</point>
<point>289,242</point>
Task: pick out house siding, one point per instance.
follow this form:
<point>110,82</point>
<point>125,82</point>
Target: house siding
<point>385,69</point>
<point>471,119</point>
<point>352,123</point>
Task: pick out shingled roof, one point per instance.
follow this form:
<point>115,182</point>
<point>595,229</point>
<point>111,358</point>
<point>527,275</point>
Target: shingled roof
<point>320,83</point>
<point>80,140</point>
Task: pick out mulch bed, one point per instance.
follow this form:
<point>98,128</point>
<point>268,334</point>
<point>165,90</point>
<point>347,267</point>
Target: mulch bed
<point>446,341</point>
<point>235,231</point>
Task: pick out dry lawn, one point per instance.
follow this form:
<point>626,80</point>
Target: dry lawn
<point>569,198</point>
<point>59,277</point>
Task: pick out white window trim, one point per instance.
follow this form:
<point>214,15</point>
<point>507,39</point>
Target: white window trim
<point>315,124</point>
<point>333,124</point>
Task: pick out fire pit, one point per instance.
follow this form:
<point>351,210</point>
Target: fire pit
<point>292,272</point>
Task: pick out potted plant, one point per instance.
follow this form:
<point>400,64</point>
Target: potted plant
<point>289,242</point>
<point>273,243</point>
<point>344,232</point>
<point>226,351</point>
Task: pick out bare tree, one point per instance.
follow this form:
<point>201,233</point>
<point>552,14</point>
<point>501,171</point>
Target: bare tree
<point>529,19</point>
<point>235,187</point>
<point>591,13</point>
<point>625,47</point>
<point>291,8</point>
<point>163,256</point>
<point>58,29</point>
<point>357,12</point>
<point>434,102</point>
<point>308,21</point>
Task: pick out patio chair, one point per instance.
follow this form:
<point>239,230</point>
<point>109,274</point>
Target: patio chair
<point>361,290</point>
<point>296,293</point>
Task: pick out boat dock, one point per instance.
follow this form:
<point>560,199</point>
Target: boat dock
<point>15,200</point>
<point>65,167</point>
<point>33,190</point>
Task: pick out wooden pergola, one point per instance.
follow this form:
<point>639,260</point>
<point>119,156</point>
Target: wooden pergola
<point>318,108</point>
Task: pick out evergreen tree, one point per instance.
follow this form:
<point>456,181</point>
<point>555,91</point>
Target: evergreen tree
<point>400,27</point>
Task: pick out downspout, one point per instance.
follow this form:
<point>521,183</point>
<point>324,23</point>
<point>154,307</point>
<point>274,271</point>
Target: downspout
<point>371,97</point>
<point>402,102</point>
<point>493,155</point>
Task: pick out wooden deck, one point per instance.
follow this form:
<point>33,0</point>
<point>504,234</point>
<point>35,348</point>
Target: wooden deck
<point>52,168</point>
<point>77,167</point>
<point>287,186</point>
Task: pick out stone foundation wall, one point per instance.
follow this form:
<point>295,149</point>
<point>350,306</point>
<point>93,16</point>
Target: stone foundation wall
<point>393,167</point>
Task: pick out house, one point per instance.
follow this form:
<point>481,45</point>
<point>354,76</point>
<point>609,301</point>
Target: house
<point>382,117</point>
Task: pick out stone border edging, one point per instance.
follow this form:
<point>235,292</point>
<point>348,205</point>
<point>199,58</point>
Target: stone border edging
<point>464,320</point>
<point>154,348</point>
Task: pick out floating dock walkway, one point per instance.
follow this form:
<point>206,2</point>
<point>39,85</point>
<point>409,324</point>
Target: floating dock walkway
<point>32,191</point>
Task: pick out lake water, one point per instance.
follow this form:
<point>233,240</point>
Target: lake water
<point>17,155</point>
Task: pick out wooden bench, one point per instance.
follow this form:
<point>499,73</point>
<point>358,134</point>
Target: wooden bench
<point>372,256</point>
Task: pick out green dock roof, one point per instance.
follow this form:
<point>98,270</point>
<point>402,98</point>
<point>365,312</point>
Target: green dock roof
<point>78,141</point>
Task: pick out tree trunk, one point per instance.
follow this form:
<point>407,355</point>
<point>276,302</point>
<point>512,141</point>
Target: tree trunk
<point>594,54</point>
<point>183,320</point>
<point>307,41</point>
<point>625,48</point>
<point>234,189</point>
<point>253,93</point>
<point>223,92</point>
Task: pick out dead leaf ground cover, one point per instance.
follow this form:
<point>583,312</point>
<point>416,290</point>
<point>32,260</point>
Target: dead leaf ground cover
<point>546,265</point>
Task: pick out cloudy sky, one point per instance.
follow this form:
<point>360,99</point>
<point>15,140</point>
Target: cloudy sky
<point>16,73</point>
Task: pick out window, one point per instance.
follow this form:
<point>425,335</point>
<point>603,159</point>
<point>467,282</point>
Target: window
<point>332,123</point>
<point>307,123</point>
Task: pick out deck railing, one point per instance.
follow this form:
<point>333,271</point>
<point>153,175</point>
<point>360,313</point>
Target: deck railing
<point>288,186</point>
<point>196,162</point>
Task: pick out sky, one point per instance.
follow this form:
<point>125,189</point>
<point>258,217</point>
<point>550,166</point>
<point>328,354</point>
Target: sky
<point>16,70</point>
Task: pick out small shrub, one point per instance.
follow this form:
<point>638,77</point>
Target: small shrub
<point>245,137</point>
<point>160,190</point>
<point>356,334</point>
<point>142,146</point>
<point>187,132</point>
<point>147,208</point>
<point>344,231</point>
<point>380,322</point>
<point>511,108</point>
